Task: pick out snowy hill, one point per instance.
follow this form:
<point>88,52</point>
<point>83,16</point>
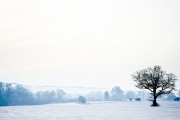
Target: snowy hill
<point>70,90</point>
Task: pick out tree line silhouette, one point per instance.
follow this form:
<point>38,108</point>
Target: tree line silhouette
<point>15,94</point>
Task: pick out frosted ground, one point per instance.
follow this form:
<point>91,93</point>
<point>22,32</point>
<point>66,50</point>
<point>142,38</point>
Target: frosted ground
<point>93,111</point>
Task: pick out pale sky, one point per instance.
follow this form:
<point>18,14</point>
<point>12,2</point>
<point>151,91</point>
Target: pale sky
<point>94,43</point>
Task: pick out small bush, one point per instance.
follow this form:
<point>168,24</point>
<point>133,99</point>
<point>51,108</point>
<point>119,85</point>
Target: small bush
<point>138,99</point>
<point>177,99</point>
<point>82,99</point>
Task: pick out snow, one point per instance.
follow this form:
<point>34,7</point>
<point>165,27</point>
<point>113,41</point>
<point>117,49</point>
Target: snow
<point>93,111</point>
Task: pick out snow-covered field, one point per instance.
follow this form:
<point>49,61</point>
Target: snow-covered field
<point>93,111</point>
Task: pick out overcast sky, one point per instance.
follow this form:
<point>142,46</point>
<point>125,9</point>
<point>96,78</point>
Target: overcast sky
<point>94,43</point>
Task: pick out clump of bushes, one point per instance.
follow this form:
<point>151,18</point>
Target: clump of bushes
<point>82,99</point>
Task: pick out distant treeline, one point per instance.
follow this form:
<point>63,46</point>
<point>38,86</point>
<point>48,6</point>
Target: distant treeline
<point>15,94</point>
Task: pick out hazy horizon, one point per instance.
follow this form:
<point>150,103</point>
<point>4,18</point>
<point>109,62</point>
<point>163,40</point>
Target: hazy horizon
<point>87,43</point>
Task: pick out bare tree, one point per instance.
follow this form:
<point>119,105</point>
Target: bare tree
<point>106,96</point>
<point>117,93</point>
<point>155,80</point>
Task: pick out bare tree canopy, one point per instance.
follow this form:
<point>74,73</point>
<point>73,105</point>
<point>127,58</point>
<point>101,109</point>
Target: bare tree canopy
<point>156,80</point>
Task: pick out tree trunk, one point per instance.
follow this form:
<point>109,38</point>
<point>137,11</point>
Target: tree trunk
<point>154,102</point>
